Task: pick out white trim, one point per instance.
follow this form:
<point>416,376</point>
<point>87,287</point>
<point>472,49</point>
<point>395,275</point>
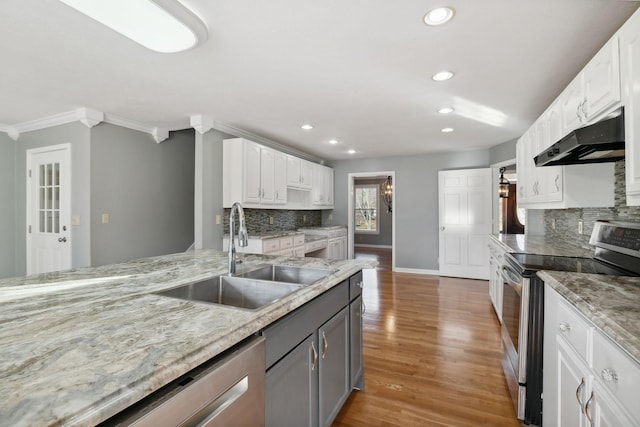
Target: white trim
<point>159,134</point>
<point>417,271</point>
<point>350,203</point>
<point>89,117</point>
<point>201,123</point>
<point>362,245</point>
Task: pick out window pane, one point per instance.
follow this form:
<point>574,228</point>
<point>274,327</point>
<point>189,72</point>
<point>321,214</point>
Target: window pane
<point>366,209</point>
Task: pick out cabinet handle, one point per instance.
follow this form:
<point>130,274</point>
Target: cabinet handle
<point>315,356</point>
<point>555,181</point>
<point>578,393</point>
<point>587,409</point>
<point>609,375</point>
<point>361,284</point>
<point>564,327</point>
<point>259,191</point>
<point>325,345</point>
<point>583,108</point>
<point>276,194</point>
<point>363,308</point>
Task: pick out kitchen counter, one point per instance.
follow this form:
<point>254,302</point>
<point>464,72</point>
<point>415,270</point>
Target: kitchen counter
<point>540,245</point>
<point>271,234</point>
<point>612,303</point>
<point>80,346</point>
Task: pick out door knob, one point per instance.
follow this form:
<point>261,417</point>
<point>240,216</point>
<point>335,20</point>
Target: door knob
<point>62,239</point>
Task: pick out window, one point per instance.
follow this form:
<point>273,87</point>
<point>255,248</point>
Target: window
<point>367,206</point>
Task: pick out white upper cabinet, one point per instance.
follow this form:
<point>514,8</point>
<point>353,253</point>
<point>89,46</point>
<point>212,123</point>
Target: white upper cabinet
<point>594,92</point>
<point>299,173</point>
<point>261,177</point>
<point>322,192</point>
<point>630,76</point>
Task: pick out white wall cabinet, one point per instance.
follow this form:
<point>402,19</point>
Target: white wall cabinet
<point>261,177</point>
<point>630,76</point>
<point>299,173</point>
<point>588,380</point>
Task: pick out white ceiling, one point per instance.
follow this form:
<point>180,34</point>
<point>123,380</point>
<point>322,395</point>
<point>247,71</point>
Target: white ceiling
<point>358,70</point>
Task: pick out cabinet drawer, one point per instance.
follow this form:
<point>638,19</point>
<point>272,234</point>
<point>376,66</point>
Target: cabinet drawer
<point>355,286</point>
<point>286,242</point>
<point>270,245</point>
<point>286,252</point>
<point>283,335</point>
<point>575,329</point>
<point>617,371</point>
<point>298,240</point>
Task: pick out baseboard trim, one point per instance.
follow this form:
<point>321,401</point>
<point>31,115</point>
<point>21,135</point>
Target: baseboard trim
<point>361,245</point>
<point>417,271</point>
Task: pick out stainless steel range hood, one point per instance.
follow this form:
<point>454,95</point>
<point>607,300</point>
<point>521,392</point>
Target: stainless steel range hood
<point>596,143</point>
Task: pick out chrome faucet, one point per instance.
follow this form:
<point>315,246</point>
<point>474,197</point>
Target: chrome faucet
<point>243,237</point>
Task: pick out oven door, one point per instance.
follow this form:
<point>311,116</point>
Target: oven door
<point>515,318</point>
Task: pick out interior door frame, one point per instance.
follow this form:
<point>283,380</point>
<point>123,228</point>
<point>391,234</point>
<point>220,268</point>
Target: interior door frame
<point>351,177</point>
<point>30,198</point>
<point>495,176</point>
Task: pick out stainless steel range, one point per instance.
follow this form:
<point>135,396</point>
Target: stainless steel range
<point>617,252</point>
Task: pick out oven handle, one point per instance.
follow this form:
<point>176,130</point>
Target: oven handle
<point>512,279</point>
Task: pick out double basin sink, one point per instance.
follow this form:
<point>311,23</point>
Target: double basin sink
<point>251,289</point>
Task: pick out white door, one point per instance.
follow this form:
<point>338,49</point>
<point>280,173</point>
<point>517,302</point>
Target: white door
<point>465,222</point>
<point>48,209</point>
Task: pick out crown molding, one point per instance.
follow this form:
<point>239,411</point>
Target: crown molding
<point>201,123</point>
<point>89,117</point>
<point>158,134</point>
<point>241,133</point>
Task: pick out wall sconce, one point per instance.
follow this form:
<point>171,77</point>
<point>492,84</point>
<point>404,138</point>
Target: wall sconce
<point>387,193</point>
<point>503,185</point>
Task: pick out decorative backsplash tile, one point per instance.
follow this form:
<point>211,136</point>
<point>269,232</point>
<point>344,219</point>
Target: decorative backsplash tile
<point>258,220</point>
<point>566,220</point>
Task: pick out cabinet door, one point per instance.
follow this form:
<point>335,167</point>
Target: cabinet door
<point>357,366</point>
<point>630,75</point>
<point>571,101</point>
<point>604,410</point>
<point>267,173</point>
<point>291,389</point>
<point>251,168</point>
<point>334,365</point>
<point>317,189</point>
<point>573,385</point>
<point>328,185</point>
<point>602,81</point>
<point>293,171</point>
<point>523,172</point>
<point>280,179</point>
<point>306,174</point>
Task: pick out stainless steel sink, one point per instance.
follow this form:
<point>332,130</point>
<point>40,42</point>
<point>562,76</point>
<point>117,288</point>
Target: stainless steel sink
<point>242,292</point>
<point>288,274</point>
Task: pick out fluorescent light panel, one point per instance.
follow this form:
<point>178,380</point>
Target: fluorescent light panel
<point>164,26</point>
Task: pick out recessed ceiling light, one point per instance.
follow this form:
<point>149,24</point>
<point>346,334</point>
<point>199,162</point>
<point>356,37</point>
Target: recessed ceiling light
<point>164,26</point>
<point>351,151</point>
<point>446,130</point>
<point>333,141</point>
<point>442,75</point>
<point>446,110</point>
<point>439,16</point>
<point>307,126</point>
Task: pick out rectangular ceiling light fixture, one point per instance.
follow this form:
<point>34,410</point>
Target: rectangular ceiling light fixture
<point>165,26</point>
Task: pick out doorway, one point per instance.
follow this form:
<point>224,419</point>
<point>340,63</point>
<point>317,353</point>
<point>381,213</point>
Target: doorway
<point>367,231</point>
<point>48,209</point>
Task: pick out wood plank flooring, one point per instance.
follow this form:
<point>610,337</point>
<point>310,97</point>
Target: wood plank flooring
<point>432,353</point>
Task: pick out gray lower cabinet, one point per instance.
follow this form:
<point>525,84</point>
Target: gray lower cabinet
<point>334,366</point>
<point>309,356</point>
<point>292,387</point>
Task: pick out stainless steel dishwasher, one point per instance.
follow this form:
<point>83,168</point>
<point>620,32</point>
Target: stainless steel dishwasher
<point>227,391</point>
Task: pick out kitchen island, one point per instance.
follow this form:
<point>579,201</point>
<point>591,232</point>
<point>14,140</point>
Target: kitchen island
<point>80,346</point>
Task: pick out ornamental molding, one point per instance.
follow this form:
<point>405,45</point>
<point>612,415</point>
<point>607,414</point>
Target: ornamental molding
<point>201,123</point>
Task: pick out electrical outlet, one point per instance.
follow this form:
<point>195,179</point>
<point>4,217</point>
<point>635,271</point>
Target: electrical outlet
<point>304,218</point>
<point>105,218</point>
<point>75,219</point>
<point>271,220</point>
<point>218,220</point>
<point>553,224</point>
<point>330,217</point>
<point>580,227</point>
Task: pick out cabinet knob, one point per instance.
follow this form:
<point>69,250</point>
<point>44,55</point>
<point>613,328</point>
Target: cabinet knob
<point>609,375</point>
<point>564,327</point>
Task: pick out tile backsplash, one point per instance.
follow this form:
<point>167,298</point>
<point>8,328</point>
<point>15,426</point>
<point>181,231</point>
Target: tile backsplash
<point>566,220</point>
<point>259,220</point>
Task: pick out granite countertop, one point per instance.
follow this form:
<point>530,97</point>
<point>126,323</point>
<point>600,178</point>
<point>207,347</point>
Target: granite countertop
<point>540,245</point>
<point>323,227</point>
<point>80,346</point>
<point>612,303</point>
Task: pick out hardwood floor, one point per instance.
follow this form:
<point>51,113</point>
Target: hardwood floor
<point>432,353</point>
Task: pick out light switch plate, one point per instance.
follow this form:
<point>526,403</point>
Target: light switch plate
<point>218,220</point>
<point>75,219</point>
<point>105,218</point>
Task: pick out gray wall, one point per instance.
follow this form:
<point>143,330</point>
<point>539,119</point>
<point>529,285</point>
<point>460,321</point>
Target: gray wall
<point>78,136</point>
<point>7,206</point>
<point>146,188</point>
<point>415,199</point>
<point>385,225</point>
<point>501,152</point>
